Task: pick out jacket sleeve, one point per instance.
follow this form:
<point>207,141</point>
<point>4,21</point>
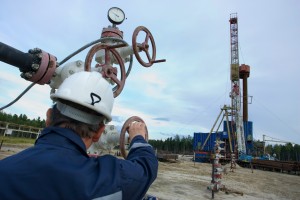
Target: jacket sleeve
<point>139,170</point>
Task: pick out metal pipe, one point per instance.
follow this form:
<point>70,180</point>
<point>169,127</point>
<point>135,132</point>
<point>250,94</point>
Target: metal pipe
<point>245,99</point>
<point>220,124</point>
<point>15,57</point>
<point>211,130</point>
<point>228,130</point>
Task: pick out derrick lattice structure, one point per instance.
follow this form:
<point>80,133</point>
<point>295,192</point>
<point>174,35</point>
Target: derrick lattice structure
<point>237,121</point>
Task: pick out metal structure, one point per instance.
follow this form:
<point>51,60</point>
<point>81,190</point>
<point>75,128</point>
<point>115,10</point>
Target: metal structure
<point>217,170</point>
<point>225,112</point>
<point>110,52</point>
<point>17,130</point>
<point>108,141</point>
<point>237,132</point>
<point>271,139</point>
<point>238,127</point>
<point>244,75</point>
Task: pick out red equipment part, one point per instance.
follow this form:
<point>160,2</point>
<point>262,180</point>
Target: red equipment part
<point>45,70</point>
<point>123,131</point>
<point>108,71</point>
<point>137,47</point>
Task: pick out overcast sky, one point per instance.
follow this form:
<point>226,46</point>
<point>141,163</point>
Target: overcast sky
<point>183,95</point>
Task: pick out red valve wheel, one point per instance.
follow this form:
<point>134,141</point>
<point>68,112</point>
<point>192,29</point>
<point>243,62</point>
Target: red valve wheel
<point>137,47</point>
<point>108,71</point>
<point>123,131</point>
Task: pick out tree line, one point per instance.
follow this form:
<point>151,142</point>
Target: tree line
<point>22,119</point>
<point>184,145</point>
<point>178,144</point>
<point>287,152</point>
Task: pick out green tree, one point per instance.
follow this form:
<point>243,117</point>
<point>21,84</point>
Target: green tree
<point>297,152</point>
<point>289,148</point>
<point>22,119</point>
<point>277,150</point>
<point>179,145</point>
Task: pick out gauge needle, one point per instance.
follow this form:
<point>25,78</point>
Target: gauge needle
<point>116,15</point>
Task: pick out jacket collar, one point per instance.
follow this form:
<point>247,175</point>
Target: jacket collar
<point>62,137</point>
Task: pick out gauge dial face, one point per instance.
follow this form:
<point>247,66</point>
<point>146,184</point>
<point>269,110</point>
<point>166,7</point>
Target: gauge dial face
<point>116,15</point>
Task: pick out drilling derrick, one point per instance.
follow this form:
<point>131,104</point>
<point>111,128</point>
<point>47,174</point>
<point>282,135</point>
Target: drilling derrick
<point>237,122</point>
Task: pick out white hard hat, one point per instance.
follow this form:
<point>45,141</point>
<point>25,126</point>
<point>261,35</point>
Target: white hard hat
<point>88,89</point>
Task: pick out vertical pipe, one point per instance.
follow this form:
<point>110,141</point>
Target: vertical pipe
<point>228,130</point>
<point>264,144</point>
<point>245,98</point>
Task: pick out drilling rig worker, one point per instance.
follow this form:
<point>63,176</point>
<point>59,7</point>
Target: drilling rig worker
<point>58,166</point>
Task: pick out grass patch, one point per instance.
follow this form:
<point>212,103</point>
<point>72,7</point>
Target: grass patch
<point>16,140</point>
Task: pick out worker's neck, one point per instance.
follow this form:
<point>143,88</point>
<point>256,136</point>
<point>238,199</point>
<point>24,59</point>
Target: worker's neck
<point>87,141</point>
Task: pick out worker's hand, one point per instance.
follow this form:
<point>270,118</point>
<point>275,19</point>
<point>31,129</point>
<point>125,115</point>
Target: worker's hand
<point>136,128</point>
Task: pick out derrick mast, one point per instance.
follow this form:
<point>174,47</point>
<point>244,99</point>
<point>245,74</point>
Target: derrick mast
<point>237,122</point>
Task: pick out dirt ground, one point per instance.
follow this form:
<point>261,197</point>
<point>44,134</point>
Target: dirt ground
<point>186,180</point>
<point>10,149</point>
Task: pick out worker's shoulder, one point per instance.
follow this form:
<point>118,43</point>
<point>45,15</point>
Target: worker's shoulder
<point>150,197</point>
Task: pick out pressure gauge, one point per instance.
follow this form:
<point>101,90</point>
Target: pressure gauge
<point>115,15</point>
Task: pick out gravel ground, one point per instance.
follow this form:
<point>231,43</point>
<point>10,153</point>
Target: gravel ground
<point>188,180</point>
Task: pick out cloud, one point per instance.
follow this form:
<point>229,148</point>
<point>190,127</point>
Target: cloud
<point>183,95</point>
<point>161,119</point>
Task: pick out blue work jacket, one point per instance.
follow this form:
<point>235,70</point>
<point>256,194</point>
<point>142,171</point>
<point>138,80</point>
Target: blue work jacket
<point>58,167</point>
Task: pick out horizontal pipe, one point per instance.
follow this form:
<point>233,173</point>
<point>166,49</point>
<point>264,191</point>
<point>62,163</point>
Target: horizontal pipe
<point>15,57</point>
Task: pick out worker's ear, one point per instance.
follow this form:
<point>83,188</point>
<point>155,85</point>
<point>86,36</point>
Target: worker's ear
<point>48,117</point>
<point>98,134</point>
